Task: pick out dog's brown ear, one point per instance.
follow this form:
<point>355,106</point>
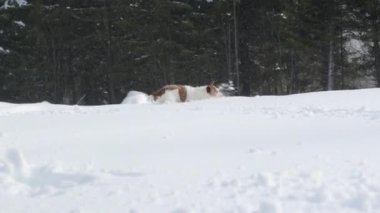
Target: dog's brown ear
<point>212,83</point>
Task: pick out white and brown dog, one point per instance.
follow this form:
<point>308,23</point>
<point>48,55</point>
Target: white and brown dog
<point>184,93</point>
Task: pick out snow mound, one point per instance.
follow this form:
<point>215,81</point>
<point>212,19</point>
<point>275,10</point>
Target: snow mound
<point>18,177</point>
<point>136,97</point>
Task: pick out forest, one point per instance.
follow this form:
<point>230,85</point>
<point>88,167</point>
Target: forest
<point>92,52</point>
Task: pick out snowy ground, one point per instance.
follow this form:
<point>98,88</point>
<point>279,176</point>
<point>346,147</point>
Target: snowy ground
<point>316,152</point>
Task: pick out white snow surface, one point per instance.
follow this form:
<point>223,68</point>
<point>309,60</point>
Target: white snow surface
<point>315,152</point>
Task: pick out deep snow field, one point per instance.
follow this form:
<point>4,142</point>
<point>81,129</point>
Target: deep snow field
<point>306,153</point>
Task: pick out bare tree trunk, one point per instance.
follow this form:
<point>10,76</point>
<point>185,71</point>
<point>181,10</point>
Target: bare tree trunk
<point>293,74</point>
<point>55,68</point>
<point>342,51</point>
<point>236,47</point>
<point>228,51</point>
<point>67,96</point>
<point>376,52</point>
<point>108,25</point>
<point>330,63</point>
<point>330,71</point>
<point>342,64</point>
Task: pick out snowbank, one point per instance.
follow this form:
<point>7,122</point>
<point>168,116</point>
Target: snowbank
<point>315,152</point>
<point>136,97</point>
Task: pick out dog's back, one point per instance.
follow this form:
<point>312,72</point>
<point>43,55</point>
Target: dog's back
<point>180,90</point>
<point>183,93</point>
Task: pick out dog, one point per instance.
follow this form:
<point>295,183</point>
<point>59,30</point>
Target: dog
<point>184,93</point>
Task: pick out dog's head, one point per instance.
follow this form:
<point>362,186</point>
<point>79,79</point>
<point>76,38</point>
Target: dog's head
<point>212,89</point>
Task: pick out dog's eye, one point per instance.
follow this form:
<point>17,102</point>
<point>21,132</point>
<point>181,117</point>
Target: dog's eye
<point>208,89</point>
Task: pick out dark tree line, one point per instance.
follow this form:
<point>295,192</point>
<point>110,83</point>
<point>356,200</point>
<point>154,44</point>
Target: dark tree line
<point>95,51</point>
